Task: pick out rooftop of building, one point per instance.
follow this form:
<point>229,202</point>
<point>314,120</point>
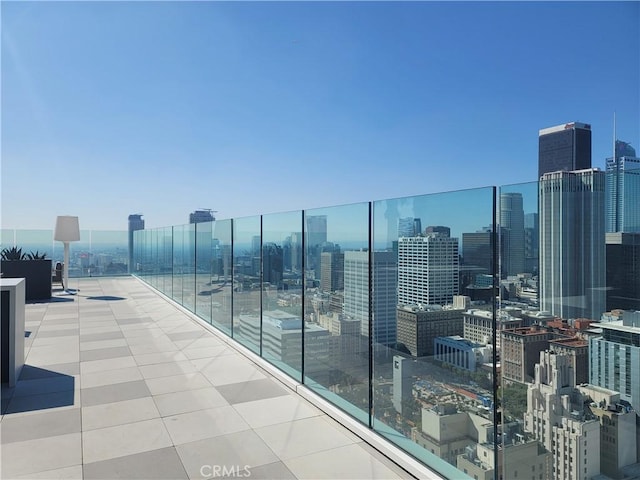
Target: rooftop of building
<point>120,382</point>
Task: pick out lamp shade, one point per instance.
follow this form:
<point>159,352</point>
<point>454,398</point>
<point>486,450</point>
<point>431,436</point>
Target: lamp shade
<point>67,229</point>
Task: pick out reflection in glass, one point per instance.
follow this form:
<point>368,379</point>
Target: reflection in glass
<point>433,386</point>
<point>247,281</point>
<point>282,292</point>
<point>221,280</point>
<point>336,310</point>
<point>178,262</point>
<point>204,265</point>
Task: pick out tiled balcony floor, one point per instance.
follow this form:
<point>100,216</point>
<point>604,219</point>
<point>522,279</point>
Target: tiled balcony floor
<point>121,383</point>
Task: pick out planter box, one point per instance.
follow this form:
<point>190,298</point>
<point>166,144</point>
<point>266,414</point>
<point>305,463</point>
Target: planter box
<point>37,275</point>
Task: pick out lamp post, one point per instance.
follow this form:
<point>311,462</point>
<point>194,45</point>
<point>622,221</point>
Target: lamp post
<point>67,230</point>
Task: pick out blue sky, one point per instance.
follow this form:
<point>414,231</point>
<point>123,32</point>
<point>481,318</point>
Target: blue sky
<point>162,108</point>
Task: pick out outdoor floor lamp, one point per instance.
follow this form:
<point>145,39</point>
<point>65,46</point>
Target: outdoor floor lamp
<point>67,230</point>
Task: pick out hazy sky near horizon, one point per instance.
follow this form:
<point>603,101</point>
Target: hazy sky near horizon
<point>161,108</point>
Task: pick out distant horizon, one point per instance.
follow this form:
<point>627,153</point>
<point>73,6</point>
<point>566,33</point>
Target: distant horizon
<point>247,108</point>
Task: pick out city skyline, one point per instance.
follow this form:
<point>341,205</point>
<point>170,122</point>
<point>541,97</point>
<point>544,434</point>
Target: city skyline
<point>216,104</point>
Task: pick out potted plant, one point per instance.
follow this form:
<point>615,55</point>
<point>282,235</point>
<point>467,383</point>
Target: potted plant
<point>35,268</point>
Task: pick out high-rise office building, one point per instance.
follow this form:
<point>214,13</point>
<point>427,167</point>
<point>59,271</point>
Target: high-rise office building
<point>564,147</point>
<point>572,244</point>
<point>623,270</point>
<point>409,227</point>
<point>316,230</point>
<point>623,190</point>
<point>446,231</point>
<point>531,242</point>
<point>135,223</point>
<point>428,269</point>
<point>201,216</point>
<point>477,250</point>
<point>315,238</point>
<point>331,271</point>
<point>383,293</point>
<point>512,228</point>
<point>615,356</point>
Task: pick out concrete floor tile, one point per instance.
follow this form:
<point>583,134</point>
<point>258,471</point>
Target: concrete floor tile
<point>39,455</point>
<point>109,377</point>
<point>41,425</point>
<point>189,401</point>
<point>177,383</point>
<point>233,452</point>
<point>116,363</point>
<point>201,424</point>
<point>343,463</point>
<point>118,413</point>
<point>293,439</point>
<point>67,473</point>
<point>114,393</point>
<point>167,369</point>
<point>104,353</point>
<point>123,440</point>
<point>269,411</point>
<point>163,463</point>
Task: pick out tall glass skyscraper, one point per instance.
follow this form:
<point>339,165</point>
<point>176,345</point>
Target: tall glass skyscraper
<point>564,147</point>
<point>572,244</point>
<point>357,291</point>
<point>623,190</point>
<point>512,227</point>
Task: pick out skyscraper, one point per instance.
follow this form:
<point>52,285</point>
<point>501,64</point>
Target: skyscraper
<point>564,147</point>
<point>383,293</point>
<point>615,357</point>
<point>623,270</point>
<point>409,227</point>
<point>531,242</point>
<point>572,244</point>
<point>135,223</point>
<point>315,237</point>
<point>428,269</point>
<point>623,190</point>
<point>331,271</point>
<point>512,228</point>
<point>201,216</point>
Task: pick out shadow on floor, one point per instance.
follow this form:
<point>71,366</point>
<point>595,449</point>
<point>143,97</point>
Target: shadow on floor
<point>38,389</point>
<point>51,300</point>
<point>107,298</point>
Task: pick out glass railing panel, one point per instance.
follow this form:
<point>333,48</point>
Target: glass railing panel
<point>178,262</point>
<point>166,261</point>
<point>189,272</point>
<point>433,381</point>
<point>109,253</point>
<point>7,238</point>
<point>153,257</point>
<point>282,321</point>
<point>203,272</point>
<point>36,241</point>
<point>336,310</point>
<point>247,281</point>
<point>221,287</point>
<point>520,324</point>
<point>579,342</point>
